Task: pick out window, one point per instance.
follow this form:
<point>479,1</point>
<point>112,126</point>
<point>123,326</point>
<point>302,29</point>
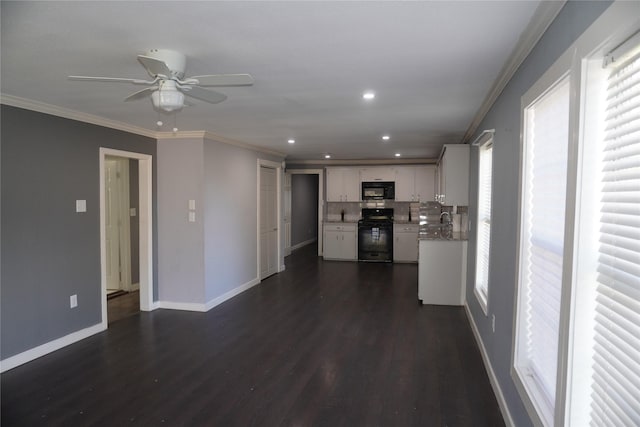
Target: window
<point>541,245</point>
<point>607,322</point>
<point>483,238</point>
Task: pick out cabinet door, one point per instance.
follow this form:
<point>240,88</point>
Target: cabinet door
<point>351,182</point>
<point>425,183</point>
<point>349,245</point>
<point>456,171</point>
<point>377,174</point>
<point>332,244</point>
<point>405,247</point>
<point>334,185</point>
<point>405,186</point>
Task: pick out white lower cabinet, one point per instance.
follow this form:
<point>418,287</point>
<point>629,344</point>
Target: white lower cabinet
<point>340,242</point>
<point>405,242</point>
<point>442,272</point>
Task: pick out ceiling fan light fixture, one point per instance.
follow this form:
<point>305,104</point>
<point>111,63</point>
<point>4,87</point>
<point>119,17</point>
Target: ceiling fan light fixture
<point>167,99</point>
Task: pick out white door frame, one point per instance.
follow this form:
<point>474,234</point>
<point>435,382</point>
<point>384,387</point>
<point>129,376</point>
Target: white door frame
<point>320,173</point>
<point>278,167</point>
<point>145,214</point>
<point>124,232</point>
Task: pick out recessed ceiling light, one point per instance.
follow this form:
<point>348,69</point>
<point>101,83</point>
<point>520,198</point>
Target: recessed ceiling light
<point>385,137</point>
<point>397,154</point>
<point>327,156</point>
<point>291,141</point>
<point>368,95</point>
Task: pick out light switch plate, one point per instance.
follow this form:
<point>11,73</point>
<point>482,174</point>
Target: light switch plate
<point>192,217</point>
<point>192,205</point>
<point>132,212</point>
<point>73,301</point>
<point>81,205</point>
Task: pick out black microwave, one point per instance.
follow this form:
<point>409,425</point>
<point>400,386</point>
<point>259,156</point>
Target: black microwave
<point>379,190</point>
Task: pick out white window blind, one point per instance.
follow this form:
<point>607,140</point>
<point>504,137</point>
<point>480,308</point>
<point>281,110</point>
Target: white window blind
<point>615,390</point>
<point>542,244</point>
<point>484,221</point>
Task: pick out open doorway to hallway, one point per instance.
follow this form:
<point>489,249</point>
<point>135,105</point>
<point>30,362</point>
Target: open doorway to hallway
<point>144,220</point>
<point>122,237</point>
<point>304,196</point>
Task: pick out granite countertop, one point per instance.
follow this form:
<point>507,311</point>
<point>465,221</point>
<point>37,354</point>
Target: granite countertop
<point>453,236</point>
<point>341,222</point>
<point>403,222</point>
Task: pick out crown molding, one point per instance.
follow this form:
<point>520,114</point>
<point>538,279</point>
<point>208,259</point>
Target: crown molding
<point>41,107</point>
<point>230,141</point>
<point>544,15</point>
<point>370,162</point>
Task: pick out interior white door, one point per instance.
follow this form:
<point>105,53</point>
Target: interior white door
<point>268,222</point>
<point>111,224</point>
<point>118,232</point>
<point>287,213</point>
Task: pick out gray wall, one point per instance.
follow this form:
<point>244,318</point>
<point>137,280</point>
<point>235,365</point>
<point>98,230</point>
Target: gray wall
<point>304,208</point>
<point>49,251</point>
<point>181,243</point>
<point>204,260</point>
<point>504,117</point>
<point>230,216</point>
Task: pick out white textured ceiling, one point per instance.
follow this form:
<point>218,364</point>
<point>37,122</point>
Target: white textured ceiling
<point>431,65</point>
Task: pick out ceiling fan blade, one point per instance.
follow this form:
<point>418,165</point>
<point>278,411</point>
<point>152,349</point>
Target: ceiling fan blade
<point>141,94</point>
<point>224,80</point>
<point>110,80</point>
<point>206,95</point>
<point>154,66</point>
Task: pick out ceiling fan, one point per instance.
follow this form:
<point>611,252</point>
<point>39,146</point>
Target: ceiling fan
<point>169,85</point>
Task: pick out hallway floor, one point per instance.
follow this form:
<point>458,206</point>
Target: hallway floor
<point>320,344</point>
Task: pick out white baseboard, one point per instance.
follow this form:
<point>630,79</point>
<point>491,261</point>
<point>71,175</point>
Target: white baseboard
<point>51,346</point>
<point>303,244</point>
<point>186,306</point>
<point>194,306</point>
<point>135,287</point>
<point>230,294</point>
<point>506,415</point>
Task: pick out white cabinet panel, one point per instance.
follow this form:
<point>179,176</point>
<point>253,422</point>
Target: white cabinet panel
<point>415,183</point>
<point>343,184</point>
<point>442,272</point>
<point>385,173</point>
<point>454,175</point>
<point>405,183</point>
<point>425,177</point>
<point>405,245</point>
<point>351,183</point>
<point>340,242</point>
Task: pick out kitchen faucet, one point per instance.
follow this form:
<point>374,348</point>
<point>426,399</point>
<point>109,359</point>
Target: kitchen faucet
<point>448,217</point>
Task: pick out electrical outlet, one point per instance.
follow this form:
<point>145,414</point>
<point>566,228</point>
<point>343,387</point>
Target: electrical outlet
<point>73,301</point>
<point>493,323</point>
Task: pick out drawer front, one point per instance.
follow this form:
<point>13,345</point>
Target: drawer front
<point>406,228</point>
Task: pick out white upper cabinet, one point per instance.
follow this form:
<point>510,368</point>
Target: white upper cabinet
<point>379,173</point>
<point>343,185</point>
<point>453,175</point>
<point>425,183</point>
<point>415,183</point>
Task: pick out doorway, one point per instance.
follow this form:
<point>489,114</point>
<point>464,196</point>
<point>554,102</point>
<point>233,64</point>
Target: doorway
<point>320,202</point>
<point>269,218</point>
<point>125,232</point>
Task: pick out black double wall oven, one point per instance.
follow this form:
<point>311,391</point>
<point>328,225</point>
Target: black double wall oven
<point>375,235</point>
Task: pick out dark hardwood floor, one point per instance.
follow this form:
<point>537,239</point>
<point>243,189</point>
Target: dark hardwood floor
<point>321,344</point>
<point>123,305</point>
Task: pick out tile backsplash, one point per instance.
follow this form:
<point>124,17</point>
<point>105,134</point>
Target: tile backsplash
<point>353,210</point>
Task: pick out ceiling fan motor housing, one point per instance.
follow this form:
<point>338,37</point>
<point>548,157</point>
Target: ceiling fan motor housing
<point>176,61</point>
